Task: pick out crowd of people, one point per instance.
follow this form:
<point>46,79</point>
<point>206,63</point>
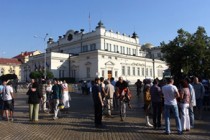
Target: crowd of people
<point>185,101</point>
<point>50,98</point>
<point>107,95</point>
<point>162,98</point>
<point>42,96</point>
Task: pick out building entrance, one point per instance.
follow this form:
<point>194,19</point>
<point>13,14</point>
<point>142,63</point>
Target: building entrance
<point>109,74</point>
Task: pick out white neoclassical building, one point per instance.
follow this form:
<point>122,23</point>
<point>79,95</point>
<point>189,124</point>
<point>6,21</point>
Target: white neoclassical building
<point>100,53</point>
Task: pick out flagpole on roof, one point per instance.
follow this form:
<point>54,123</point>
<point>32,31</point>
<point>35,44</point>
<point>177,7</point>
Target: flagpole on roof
<point>89,22</point>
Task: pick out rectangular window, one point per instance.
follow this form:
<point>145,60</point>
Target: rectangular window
<point>117,48</point>
<point>73,73</point>
<point>84,48</point>
<point>134,51</point>
<point>159,55</point>
<point>61,73</point>
<point>146,72</point>
<point>88,72</point>
<point>151,72</point>
<point>92,47</point>
<point>110,47</point>
<point>160,73</point>
<point>121,49</point>
<point>142,71</point>
<point>129,71</point>
<point>123,70</point>
<point>138,71</point>
<point>134,72</point>
<point>116,74</point>
<point>102,72</point>
<point>106,46</point>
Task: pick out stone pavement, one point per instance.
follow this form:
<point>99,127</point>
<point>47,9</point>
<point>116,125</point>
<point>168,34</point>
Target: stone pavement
<point>79,124</point>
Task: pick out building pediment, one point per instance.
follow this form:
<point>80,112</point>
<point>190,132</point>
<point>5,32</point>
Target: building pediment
<point>88,63</point>
<point>160,66</point>
<point>109,63</point>
<point>75,66</point>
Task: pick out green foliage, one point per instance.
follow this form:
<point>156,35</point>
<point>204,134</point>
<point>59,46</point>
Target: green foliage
<point>188,54</point>
<point>40,74</point>
<point>35,75</point>
<point>49,75</point>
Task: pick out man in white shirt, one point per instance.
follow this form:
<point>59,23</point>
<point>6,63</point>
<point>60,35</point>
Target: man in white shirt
<point>170,93</point>
<point>7,98</point>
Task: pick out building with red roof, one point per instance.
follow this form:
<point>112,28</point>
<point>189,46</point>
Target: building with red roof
<point>10,66</point>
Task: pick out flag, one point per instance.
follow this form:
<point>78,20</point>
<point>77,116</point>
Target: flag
<point>89,22</point>
<point>47,65</point>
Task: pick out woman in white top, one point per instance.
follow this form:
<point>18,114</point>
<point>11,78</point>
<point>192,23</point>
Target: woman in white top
<point>65,95</point>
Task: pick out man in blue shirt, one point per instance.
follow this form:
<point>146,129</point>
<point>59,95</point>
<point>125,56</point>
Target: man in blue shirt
<point>57,96</point>
<point>98,102</point>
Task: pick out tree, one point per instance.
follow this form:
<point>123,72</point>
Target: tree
<point>35,75</point>
<point>40,74</point>
<point>187,54</point>
<point>49,75</point>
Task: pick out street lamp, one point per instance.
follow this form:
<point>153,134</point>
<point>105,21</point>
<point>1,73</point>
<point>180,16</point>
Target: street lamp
<point>44,38</point>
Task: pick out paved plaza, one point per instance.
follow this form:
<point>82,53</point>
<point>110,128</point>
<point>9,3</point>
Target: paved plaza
<point>79,124</point>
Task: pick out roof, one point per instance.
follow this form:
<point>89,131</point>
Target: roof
<point>8,61</point>
<point>23,54</point>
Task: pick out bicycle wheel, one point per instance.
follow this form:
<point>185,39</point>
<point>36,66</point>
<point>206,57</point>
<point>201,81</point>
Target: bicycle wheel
<point>122,110</point>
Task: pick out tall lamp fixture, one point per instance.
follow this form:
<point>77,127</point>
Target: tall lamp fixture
<point>45,48</point>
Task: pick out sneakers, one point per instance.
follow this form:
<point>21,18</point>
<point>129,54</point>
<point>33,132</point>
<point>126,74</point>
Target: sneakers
<point>180,132</point>
<point>11,119</point>
<point>129,105</point>
<point>55,118</point>
<point>167,133</point>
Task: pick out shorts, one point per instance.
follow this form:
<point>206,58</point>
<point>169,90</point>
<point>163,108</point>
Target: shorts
<point>1,104</point>
<point>8,105</point>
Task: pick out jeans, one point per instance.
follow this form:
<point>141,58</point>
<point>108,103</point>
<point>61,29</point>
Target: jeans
<point>34,112</point>
<point>191,114</point>
<point>56,109</point>
<point>110,105</point>
<point>157,110</point>
<point>44,101</point>
<point>174,109</point>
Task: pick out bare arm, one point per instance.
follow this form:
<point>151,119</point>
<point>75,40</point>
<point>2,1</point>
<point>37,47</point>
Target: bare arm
<point>100,98</point>
<point>181,94</point>
<point>177,95</point>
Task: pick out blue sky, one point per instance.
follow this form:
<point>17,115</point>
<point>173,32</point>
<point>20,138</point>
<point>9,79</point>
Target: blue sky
<point>153,20</point>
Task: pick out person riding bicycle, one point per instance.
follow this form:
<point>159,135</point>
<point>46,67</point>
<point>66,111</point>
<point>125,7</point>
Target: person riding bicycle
<point>123,91</point>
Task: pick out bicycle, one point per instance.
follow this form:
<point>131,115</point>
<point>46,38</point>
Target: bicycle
<point>124,98</point>
<point>49,104</point>
<point>122,109</point>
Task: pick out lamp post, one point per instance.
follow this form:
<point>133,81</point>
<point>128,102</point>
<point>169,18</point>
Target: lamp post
<point>153,65</point>
<point>45,59</point>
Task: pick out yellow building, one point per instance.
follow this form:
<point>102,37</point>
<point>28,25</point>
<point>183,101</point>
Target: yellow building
<point>10,66</point>
<point>25,69</point>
